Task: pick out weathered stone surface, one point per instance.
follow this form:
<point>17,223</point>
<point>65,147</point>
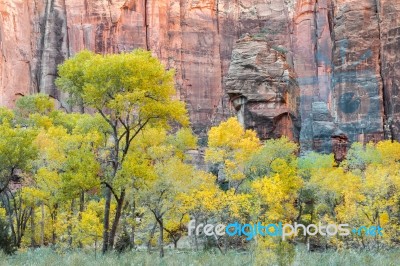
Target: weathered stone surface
<point>19,37</point>
<point>357,82</point>
<point>389,16</point>
<point>262,88</point>
<point>312,49</point>
<point>336,60</point>
<point>337,55</point>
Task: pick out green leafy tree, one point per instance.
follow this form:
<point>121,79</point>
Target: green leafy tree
<point>131,91</point>
<point>16,151</point>
<point>171,176</point>
<point>16,155</point>
<point>230,146</point>
<point>66,167</point>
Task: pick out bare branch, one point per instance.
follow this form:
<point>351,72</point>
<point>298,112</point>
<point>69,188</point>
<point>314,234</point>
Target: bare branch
<point>112,190</point>
<point>105,117</point>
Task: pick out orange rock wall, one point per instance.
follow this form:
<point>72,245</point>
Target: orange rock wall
<point>342,54</point>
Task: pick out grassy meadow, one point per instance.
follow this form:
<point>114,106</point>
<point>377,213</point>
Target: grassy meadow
<point>47,257</point>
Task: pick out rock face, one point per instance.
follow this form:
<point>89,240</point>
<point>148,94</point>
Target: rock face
<point>262,88</point>
<point>337,59</point>
<point>389,33</point>
<point>18,49</point>
<point>322,72</point>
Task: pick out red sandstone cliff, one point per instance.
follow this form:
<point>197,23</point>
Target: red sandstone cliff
<point>324,71</point>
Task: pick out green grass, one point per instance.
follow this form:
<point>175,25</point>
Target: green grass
<point>48,257</point>
<point>349,258</point>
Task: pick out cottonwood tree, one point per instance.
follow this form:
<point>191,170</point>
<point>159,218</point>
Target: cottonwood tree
<point>131,91</point>
<point>66,165</point>
<point>16,154</point>
<point>170,177</point>
<point>230,146</point>
<point>16,148</point>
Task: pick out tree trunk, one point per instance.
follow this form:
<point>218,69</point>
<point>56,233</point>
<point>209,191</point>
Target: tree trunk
<point>54,220</point>
<point>81,203</point>
<point>132,236</point>
<point>161,239</point>
<point>106,221</point>
<point>24,217</point>
<point>69,223</point>
<point>109,192</point>
<point>42,226</point>
<point>196,242</point>
<point>9,210</point>
<point>151,236</point>
<point>33,229</point>
<point>118,212</point>
<point>81,209</point>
